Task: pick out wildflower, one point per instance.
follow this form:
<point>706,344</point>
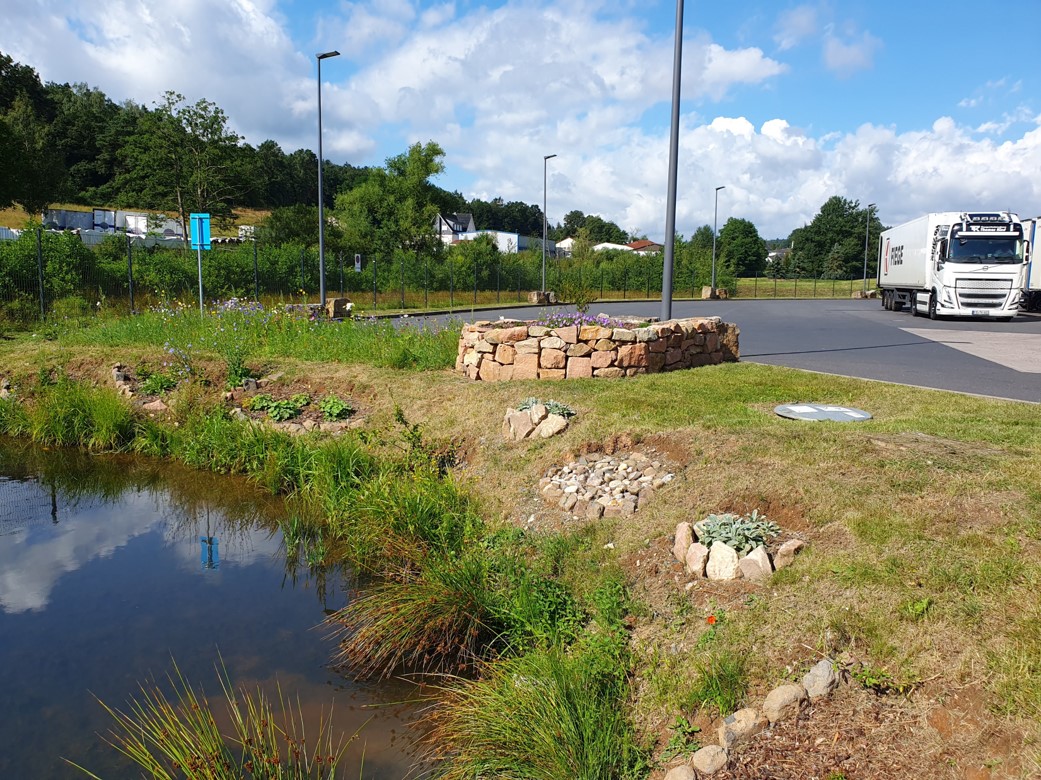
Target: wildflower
<point>711,620</point>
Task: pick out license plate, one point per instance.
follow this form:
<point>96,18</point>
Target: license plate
<point>980,313</point>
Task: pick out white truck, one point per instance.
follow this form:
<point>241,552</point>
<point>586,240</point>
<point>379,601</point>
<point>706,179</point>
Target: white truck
<point>1032,287</point>
<point>954,264</point>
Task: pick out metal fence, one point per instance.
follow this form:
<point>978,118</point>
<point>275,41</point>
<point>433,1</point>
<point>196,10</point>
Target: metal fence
<point>46,274</point>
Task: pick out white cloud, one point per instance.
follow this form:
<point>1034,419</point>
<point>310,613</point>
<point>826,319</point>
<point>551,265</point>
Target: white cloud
<point>846,56</point>
<point>794,26</point>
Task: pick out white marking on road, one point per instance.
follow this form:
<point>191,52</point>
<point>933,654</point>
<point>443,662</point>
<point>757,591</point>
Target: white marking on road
<point>1018,351</point>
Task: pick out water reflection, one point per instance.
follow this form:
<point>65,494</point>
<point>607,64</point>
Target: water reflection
<point>111,567</point>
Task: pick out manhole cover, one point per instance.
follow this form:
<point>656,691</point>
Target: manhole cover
<point>819,412</point>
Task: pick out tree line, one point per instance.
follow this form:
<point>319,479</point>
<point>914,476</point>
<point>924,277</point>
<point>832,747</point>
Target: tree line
<point>71,143</point>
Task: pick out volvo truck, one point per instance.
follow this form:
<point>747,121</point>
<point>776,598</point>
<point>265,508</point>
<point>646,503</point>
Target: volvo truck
<point>954,264</point>
<point>1032,286</point>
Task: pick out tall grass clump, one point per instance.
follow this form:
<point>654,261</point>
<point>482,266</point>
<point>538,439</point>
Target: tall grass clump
<point>173,737</point>
<point>68,414</point>
<point>540,715</point>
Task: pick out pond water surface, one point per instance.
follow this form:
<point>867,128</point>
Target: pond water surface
<point>113,568</point>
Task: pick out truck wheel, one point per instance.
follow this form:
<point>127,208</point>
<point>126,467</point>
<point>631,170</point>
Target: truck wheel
<point>887,301</point>
<point>932,307</point>
<point>914,304</point>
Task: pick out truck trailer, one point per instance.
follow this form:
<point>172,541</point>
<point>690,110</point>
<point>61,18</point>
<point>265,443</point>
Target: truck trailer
<point>954,264</point>
<point>1032,287</point>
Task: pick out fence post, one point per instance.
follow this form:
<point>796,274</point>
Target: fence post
<point>374,302</point>
<point>256,274</point>
<point>39,268</point>
<point>451,285</point>
<point>303,282</point>
<point>426,282</point>
<point>402,280</point>
<point>647,279</point>
<point>518,283</point>
<point>775,286</point>
<point>796,293</point>
<point>498,279</point>
<point>475,283</point>
<point>815,287</point>
<point>601,283</point>
<point>625,279</point>
<point>130,272</point>
<point>340,260</point>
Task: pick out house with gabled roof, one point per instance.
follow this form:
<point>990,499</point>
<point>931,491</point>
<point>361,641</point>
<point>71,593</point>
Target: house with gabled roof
<point>645,247</point>
<point>451,227</point>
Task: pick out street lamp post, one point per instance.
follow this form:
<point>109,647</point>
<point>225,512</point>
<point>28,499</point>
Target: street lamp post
<point>715,221</point>
<point>867,234</point>
<point>674,145</point>
<point>545,160</point>
<point>321,192</point>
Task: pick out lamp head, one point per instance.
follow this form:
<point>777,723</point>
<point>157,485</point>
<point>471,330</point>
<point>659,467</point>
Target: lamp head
<point>327,55</point>
<point>549,157</point>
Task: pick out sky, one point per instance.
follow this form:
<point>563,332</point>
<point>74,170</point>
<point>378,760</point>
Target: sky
<point>914,106</point>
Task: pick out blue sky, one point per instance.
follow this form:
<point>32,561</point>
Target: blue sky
<point>916,106</point>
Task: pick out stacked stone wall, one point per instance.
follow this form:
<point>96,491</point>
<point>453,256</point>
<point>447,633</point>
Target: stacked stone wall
<point>497,351</point>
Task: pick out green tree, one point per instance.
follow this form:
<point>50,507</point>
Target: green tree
<point>740,248</point>
<point>34,168</point>
<point>395,208</point>
<point>183,157</point>
<point>833,243</point>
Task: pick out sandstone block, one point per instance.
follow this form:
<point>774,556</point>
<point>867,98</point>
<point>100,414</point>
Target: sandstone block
<point>552,342</point>
<point>609,373</point>
<point>655,361</point>
<point>604,345</point>
<point>538,413</point>
<point>569,334</point>
<point>513,335</point>
<point>505,354</point>
<point>623,335</point>
<point>551,373</point>
<point>552,358</point>
<point>527,346</point>
<point>579,350</point>
<point>489,371</point>
<point>593,333</point>
<point>484,346</point>
<point>603,359</point>
<point>682,772</point>
<point>579,368</point>
<point>632,355</point>
<point>658,345</point>
<point>756,565</point>
<point>646,334</point>
<point>520,425</point>
<point>526,366</point>
<point>537,331</point>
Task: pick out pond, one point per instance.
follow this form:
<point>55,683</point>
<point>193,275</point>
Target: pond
<point>112,568</point>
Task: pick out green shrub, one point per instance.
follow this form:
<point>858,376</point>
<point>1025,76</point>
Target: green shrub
<point>334,408</point>
<point>721,684</point>
<point>743,533</point>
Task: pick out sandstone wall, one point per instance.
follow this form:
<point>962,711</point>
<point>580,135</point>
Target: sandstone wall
<point>494,351</point>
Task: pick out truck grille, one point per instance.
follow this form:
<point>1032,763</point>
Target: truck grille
<point>982,293</point>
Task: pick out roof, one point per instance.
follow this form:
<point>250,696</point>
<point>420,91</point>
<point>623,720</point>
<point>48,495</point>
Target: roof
<point>644,244</point>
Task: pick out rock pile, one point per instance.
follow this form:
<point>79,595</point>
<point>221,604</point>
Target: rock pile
<point>783,702</point>
<point>723,562</point>
<point>534,422</point>
<point>604,486</point>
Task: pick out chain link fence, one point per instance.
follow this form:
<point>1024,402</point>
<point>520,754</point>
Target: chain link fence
<point>46,274</point>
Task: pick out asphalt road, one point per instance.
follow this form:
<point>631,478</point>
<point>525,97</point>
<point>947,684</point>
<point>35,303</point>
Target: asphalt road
<point>860,339</point>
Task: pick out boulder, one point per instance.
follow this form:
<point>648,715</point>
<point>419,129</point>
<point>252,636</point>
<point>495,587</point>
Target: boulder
<point>741,727</point>
<point>684,538</point>
<point>709,760</point>
<point>551,426</point>
<point>722,562</point>
<point>682,772</point>
<point>784,702</point>
<point>697,558</point>
<point>756,565</point>
<point>787,552</point>
<point>821,680</point>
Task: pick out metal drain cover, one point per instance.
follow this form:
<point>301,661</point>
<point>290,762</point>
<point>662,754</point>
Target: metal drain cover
<point>814,412</point>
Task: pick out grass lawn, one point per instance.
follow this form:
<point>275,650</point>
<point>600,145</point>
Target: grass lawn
<point>920,578</point>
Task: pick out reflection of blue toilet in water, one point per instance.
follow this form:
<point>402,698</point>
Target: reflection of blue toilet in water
<point>209,552</point>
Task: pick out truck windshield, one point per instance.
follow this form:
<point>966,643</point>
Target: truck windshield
<point>985,251</point>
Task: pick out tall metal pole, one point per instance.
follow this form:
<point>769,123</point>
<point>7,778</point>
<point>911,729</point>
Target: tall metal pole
<point>545,160</point>
<point>867,234</point>
<point>674,144</point>
<point>715,221</point>
<point>321,192</point>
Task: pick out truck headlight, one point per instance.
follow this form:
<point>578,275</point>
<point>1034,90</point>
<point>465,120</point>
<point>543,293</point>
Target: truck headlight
<point>947,297</point>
